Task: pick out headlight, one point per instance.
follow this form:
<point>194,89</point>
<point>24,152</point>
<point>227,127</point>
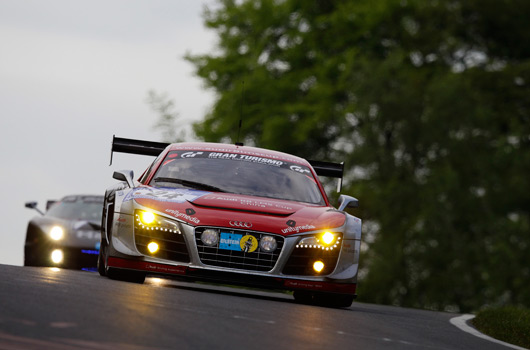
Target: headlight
<point>153,247</point>
<point>57,233</point>
<point>150,221</point>
<point>57,256</point>
<point>147,218</point>
<point>210,237</point>
<point>268,244</point>
<point>326,241</point>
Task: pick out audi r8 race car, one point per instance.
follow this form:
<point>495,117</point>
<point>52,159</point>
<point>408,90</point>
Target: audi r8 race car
<point>232,214</point>
<point>67,235</point>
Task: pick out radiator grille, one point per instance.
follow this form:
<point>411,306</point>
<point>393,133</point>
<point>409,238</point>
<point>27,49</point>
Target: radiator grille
<point>257,260</point>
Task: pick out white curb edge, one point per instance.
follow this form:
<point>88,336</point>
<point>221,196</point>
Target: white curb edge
<point>460,322</point>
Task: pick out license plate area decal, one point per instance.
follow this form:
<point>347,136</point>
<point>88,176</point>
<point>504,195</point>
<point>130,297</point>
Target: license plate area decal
<point>230,241</point>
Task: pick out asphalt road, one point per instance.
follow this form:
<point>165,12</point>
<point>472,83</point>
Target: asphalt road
<point>43,308</point>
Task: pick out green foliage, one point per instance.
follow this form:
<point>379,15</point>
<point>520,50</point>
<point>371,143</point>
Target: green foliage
<point>509,324</point>
<point>167,122</point>
<point>428,102</point>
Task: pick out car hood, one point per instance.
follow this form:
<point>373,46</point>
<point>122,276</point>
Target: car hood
<point>201,208</point>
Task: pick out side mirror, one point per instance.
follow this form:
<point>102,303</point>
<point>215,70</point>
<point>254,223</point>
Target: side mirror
<point>49,204</point>
<point>33,205</point>
<point>347,202</point>
<point>124,175</point>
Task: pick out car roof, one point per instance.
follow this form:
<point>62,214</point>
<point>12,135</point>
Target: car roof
<point>230,148</point>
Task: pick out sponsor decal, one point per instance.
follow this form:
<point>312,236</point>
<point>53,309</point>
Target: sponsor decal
<point>228,199</point>
<point>183,216</point>
<point>300,169</point>
<point>168,161</point>
<point>291,223</point>
<point>190,211</point>
<point>347,288</point>
<point>190,154</point>
<point>230,241</point>
<point>348,248</point>
<point>248,243</point>
<point>249,203</point>
<point>298,228</point>
<point>240,224</point>
<point>246,158</point>
<point>178,195</point>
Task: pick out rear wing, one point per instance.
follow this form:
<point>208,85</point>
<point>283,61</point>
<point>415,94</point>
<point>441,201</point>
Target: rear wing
<point>329,169</point>
<point>146,148</point>
<point>151,148</point>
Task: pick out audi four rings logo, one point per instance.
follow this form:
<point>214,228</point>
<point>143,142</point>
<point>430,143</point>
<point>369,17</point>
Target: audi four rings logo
<point>240,224</point>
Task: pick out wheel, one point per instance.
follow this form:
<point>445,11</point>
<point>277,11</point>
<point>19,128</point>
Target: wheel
<point>101,257</point>
<point>103,241</point>
<point>106,247</point>
<point>334,300</point>
<point>303,297</point>
<point>323,299</point>
<point>125,275</point>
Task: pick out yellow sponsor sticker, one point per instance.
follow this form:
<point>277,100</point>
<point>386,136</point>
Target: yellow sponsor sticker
<point>248,243</point>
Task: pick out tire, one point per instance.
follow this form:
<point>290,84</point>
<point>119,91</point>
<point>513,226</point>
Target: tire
<point>303,297</point>
<point>323,299</point>
<point>102,258</point>
<point>105,248</point>
<point>334,300</point>
<point>125,275</point>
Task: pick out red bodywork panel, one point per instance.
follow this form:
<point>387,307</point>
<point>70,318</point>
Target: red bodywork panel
<point>266,215</point>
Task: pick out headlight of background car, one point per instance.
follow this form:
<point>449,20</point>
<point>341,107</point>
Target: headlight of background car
<point>326,240</point>
<point>56,233</point>
<point>147,220</point>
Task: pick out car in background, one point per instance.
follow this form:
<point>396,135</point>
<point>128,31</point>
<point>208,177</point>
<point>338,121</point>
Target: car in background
<point>231,214</point>
<point>66,235</point>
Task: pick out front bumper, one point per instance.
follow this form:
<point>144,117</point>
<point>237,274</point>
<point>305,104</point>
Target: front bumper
<point>181,256</point>
<point>228,277</point>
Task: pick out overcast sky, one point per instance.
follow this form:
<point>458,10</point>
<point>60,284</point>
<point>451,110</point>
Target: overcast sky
<point>74,73</point>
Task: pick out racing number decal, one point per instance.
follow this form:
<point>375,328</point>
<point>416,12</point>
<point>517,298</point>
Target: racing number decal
<point>248,243</point>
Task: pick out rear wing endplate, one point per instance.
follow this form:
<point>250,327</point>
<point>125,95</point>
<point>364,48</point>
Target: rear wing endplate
<point>147,148</point>
<point>329,169</point>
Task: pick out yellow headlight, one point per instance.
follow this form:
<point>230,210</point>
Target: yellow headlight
<point>153,247</point>
<point>147,217</point>
<point>318,266</point>
<point>328,238</point>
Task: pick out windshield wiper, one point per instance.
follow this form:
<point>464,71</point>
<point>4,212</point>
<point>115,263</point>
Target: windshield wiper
<point>188,183</point>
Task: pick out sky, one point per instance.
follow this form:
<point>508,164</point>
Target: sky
<point>75,73</point>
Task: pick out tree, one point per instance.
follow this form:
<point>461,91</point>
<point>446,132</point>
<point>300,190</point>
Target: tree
<point>428,102</point>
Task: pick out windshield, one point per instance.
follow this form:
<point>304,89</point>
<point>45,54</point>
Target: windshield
<point>240,174</point>
<point>87,208</point>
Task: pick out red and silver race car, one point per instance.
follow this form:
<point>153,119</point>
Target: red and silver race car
<point>232,214</point>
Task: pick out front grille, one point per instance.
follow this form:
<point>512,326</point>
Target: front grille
<point>172,244</point>
<point>257,260</point>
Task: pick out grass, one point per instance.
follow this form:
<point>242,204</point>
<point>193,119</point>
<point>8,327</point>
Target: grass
<point>509,324</point>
